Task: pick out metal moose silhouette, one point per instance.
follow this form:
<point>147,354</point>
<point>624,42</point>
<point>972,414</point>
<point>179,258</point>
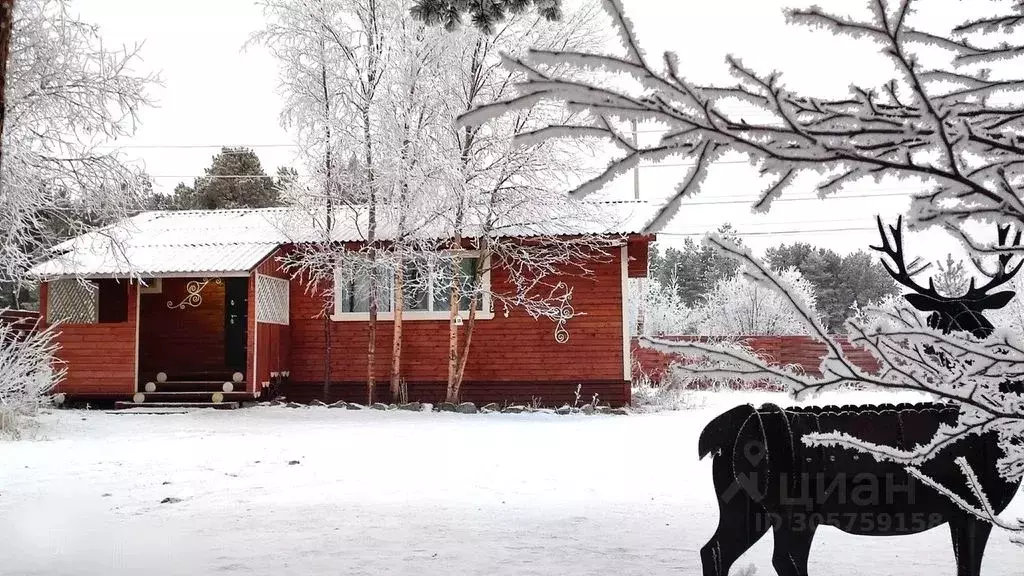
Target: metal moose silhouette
<point>766,478</point>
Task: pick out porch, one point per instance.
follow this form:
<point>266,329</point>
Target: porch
<point>186,341</point>
<point>192,341</point>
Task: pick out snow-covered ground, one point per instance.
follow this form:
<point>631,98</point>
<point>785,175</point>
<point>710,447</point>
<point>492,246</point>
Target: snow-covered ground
<point>393,493</point>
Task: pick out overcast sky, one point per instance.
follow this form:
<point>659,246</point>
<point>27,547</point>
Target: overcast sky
<point>217,93</point>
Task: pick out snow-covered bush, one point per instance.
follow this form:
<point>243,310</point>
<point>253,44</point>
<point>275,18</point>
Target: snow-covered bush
<point>1011,316</point>
<point>656,309</point>
<point>740,306</point>
<point>648,396</point>
<point>27,374</point>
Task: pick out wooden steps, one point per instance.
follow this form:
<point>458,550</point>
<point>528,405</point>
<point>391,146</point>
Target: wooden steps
<point>214,405</point>
<point>188,390</point>
<point>192,386</point>
<point>194,396</point>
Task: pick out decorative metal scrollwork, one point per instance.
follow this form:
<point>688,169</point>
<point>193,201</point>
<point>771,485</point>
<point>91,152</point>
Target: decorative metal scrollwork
<point>193,294</point>
<point>565,312</point>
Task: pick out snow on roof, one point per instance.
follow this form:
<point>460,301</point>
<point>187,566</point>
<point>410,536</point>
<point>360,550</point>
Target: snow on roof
<point>166,243</point>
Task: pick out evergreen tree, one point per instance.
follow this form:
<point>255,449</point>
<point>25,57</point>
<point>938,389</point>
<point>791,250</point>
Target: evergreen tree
<point>695,269</point>
<point>952,279</point>
<point>484,15</point>
<point>839,281</point>
<point>235,179</point>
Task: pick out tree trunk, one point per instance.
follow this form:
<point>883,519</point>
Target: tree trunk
<point>396,345</point>
<point>6,23</point>
<point>327,358</point>
<point>328,201</point>
<point>452,394</point>
<point>371,350</point>
<point>470,322</point>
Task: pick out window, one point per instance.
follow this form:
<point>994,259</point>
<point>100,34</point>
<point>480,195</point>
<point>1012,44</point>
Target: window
<point>354,291</point>
<point>442,284</point>
<point>427,286</point>
<point>87,302</point>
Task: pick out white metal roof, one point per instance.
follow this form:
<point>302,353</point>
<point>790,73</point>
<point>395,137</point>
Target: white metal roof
<point>170,243</point>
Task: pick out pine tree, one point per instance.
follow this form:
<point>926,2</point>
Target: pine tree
<point>484,15</point>
<point>235,179</point>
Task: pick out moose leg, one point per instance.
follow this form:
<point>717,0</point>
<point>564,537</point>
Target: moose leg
<point>970,535</point>
<point>741,523</point>
<point>792,549</point>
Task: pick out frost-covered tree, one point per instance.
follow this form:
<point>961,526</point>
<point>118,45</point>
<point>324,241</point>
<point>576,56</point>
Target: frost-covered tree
<point>452,202</point>
<point>346,80</point>
<point>951,277</point>
<point>948,122</point>
<point>740,306</point>
<point>503,186</point>
<point>66,96</point>
<point>656,309</point>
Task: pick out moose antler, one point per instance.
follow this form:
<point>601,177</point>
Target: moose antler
<point>902,273</point>
<point>1002,274</point>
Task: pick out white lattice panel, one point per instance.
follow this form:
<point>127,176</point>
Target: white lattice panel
<point>72,302</point>
<point>271,300</point>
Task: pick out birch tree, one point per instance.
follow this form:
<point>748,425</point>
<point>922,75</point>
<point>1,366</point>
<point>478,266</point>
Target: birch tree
<point>946,123</point>
<point>362,76</point>
<point>423,169</point>
<point>66,97</point>
<point>504,186</point>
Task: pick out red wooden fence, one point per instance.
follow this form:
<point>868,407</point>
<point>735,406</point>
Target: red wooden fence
<point>802,351</point>
<point>20,320</point>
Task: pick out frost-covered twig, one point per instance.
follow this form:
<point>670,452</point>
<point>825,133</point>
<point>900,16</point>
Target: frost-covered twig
<point>949,128</point>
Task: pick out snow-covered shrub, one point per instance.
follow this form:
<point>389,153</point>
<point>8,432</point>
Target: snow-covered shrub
<point>27,374</point>
<point>1011,316</point>
<point>656,309</point>
<point>681,376</point>
<point>648,396</point>
<point>740,306</point>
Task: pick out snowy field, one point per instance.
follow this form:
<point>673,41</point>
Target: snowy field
<point>393,493</point>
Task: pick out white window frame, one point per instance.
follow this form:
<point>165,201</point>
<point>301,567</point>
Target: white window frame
<point>484,313</point>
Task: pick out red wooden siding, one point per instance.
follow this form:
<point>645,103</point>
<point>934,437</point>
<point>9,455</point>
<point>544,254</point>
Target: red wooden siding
<point>269,344</point>
<point>513,358</point>
<point>178,341</point>
<point>20,321</point>
<point>99,359</point>
<point>639,252</point>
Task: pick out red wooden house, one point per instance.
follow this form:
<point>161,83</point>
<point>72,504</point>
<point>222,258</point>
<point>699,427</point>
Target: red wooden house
<point>196,306</point>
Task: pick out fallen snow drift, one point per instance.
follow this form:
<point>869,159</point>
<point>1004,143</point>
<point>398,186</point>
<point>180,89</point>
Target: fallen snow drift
<point>393,493</point>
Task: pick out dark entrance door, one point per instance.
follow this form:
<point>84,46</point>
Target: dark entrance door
<point>236,322</point>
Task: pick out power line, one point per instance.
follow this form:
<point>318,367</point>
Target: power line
<point>791,199</point>
<point>775,232</point>
<point>191,146</point>
<point>794,222</point>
